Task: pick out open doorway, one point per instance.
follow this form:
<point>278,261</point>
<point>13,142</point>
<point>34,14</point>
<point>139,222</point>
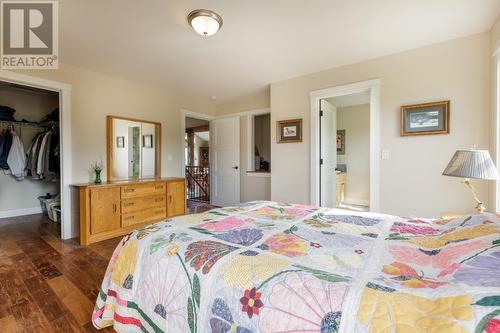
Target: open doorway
<point>345,151</point>
<point>197,161</point>
<point>345,146</point>
<point>30,156</point>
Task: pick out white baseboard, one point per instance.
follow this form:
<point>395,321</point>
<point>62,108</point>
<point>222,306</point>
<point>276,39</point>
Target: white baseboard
<point>359,202</point>
<point>20,212</point>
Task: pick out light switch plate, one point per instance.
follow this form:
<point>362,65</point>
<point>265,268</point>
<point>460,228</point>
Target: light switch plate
<point>385,154</point>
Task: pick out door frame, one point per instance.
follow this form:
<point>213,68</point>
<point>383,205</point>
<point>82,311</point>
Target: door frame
<point>69,225</point>
<point>371,86</point>
<point>187,113</point>
<point>320,142</point>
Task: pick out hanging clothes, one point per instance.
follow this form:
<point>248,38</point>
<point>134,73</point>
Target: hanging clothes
<point>40,167</point>
<point>41,161</point>
<point>52,162</point>
<point>30,153</point>
<point>5,144</point>
<point>16,159</point>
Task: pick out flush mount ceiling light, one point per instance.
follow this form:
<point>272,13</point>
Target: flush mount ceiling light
<point>205,22</point>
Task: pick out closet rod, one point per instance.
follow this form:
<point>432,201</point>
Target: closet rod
<point>26,124</point>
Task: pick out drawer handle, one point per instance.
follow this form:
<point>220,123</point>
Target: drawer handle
<point>129,217</point>
<point>128,204</point>
<point>159,187</point>
<point>127,190</point>
<point>158,199</point>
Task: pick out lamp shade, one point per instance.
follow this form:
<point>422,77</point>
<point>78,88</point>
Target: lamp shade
<point>471,163</point>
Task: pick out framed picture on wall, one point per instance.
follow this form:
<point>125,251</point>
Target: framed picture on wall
<point>147,141</point>
<point>425,119</point>
<point>120,142</point>
<point>289,131</point>
<point>341,142</point>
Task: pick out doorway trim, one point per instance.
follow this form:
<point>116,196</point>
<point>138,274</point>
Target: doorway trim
<point>187,113</point>
<point>69,226</point>
<point>373,87</point>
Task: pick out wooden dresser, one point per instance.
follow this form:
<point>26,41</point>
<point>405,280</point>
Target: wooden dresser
<point>115,208</point>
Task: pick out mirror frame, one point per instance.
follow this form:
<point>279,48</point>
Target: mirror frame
<point>110,145</point>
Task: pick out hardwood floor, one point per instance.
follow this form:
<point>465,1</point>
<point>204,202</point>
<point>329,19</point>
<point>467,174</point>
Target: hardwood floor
<point>47,284</point>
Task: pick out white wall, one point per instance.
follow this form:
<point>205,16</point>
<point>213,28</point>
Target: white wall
<point>410,181</point>
<point>251,187</point>
<point>198,143</point>
<point>15,194</point>
<point>120,155</point>
<point>148,155</point>
<point>355,120</point>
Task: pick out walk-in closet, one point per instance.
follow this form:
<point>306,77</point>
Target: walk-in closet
<point>30,156</point>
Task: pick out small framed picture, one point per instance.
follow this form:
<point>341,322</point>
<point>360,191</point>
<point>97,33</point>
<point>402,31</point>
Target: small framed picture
<point>288,131</point>
<point>120,142</point>
<point>147,141</point>
<point>425,119</point>
<point>341,142</point>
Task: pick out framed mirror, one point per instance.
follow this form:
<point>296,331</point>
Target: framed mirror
<point>133,148</point>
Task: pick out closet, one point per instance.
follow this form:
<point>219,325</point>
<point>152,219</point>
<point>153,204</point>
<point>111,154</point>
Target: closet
<point>29,155</point>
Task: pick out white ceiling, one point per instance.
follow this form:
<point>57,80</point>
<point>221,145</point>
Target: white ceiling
<point>350,100</point>
<point>260,42</point>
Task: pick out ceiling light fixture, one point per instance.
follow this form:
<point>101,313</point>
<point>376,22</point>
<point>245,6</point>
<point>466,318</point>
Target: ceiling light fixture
<point>205,22</point>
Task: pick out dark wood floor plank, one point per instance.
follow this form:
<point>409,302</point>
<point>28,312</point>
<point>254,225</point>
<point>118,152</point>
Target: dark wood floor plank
<point>48,284</point>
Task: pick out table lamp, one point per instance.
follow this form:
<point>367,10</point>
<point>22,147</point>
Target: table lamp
<point>472,164</point>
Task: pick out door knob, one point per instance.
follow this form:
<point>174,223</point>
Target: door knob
<point>235,167</point>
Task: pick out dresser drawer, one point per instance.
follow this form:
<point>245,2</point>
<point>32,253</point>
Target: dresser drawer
<point>132,191</point>
<point>148,215</point>
<point>137,204</point>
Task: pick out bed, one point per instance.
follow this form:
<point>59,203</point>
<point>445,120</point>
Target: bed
<point>275,267</point>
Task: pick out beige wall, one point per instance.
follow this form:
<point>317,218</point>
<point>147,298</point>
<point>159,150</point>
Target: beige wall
<point>33,107</point>
<point>95,95</point>
<point>258,100</point>
<point>494,46</point>
<point>355,120</point>
<point>410,181</point>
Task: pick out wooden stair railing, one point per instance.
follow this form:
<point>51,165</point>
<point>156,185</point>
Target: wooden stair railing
<point>198,183</point>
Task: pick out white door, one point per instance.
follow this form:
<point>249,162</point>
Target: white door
<point>328,179</point>
<point>225,162</point>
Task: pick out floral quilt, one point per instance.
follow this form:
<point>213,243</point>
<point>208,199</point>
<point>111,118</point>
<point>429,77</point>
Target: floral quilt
<point>275,267</point>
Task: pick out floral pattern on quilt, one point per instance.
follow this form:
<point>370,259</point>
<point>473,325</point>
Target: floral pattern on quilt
<point>275,267</point>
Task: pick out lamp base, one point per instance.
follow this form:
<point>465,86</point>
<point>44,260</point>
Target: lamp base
<point>480,208</point>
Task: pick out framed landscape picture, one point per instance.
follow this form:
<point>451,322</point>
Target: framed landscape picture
<point>341,142</point>
<point>425,119</point>
<point>120,142</point>
<point>147,141</point>
<point>288,131</point>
